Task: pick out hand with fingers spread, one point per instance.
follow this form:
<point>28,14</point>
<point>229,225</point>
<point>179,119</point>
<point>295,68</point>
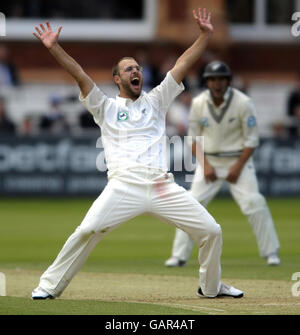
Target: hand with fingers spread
<point>47,36</point>
<point>203,19</point>
<point>195,51</point>
<point>50,40</point>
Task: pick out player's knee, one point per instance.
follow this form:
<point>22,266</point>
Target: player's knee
<point>254,203</point>
<point>85,232</point>
<point>215,230</point>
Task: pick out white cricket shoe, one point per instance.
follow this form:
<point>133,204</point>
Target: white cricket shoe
<point>174,261</point>
<point>273,260</point>
<point>40,294</point>
<point>225,291</point>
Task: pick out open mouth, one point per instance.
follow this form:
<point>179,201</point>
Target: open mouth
<point>218,91</point>
<point>135,82</point>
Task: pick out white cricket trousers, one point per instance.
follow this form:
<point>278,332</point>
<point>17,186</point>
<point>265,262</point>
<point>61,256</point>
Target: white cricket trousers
<point>121,201</point>
<point>251,202</point>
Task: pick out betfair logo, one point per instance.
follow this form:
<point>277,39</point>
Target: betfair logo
<point>2,25</point>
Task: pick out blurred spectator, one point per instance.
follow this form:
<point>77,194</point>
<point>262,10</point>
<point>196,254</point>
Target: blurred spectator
<point>239,83</point>
<point>279,128</point>
<point>207,57</point>
<point>150,72</point>
<point>8,72</point>
<point>6,125</point>
<point>86,121</point>
<point>165,66</point>
<point>178,115</point>
<point>293,110</point>
<point>54,121</point>
<point>294,126</point>
<point>194,81</point>
<point>28,126</point>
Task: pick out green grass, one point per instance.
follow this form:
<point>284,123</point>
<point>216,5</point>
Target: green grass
<point>32,231</point>
<point>23,306</point>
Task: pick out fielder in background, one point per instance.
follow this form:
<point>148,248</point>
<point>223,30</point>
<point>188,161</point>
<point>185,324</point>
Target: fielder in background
<point>133,133</point>
<point>226,118</point>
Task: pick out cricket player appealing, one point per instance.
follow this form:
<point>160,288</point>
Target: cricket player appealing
<point>132,127</point>
<point>226,119</point>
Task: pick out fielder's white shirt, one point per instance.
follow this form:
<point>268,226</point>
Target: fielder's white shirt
<point>227,129</point>
<point>133,132</point>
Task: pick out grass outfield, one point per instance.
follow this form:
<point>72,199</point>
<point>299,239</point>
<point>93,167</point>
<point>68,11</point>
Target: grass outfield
<point>125,272</point>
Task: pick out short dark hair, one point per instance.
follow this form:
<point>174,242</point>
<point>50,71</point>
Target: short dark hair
<point>115,69</point>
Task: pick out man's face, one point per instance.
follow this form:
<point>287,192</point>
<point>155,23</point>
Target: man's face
<point>130,78</point>
<point>217,86</point>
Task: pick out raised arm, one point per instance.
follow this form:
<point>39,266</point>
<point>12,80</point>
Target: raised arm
<point>193,54</point>
<point>50,41</point>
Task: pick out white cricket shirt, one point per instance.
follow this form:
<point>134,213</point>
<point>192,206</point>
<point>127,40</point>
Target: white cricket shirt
<point>227,129</point>
<point>133,132</point>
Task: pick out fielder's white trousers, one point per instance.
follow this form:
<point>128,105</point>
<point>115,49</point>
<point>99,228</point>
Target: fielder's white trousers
<point>250,200</point>
<point>121,201</point>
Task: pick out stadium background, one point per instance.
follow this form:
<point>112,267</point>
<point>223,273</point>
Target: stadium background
<point>253,36</point>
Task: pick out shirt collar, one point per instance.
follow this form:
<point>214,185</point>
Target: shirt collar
<point>125,101</point>
<point>226,97</point>
<point>227,94</point>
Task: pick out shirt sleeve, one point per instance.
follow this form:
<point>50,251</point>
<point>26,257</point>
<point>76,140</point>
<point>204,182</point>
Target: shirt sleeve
<point>95,102</point>
<point>166,91</point>
<point>250,127</point>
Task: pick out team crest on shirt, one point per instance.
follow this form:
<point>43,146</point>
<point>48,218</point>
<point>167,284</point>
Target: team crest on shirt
<point>251,121</point>
<point>204,122</point>
<point>122,116</point>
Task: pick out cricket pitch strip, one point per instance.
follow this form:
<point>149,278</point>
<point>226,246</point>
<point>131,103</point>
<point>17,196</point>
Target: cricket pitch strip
<point>261,297</point>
